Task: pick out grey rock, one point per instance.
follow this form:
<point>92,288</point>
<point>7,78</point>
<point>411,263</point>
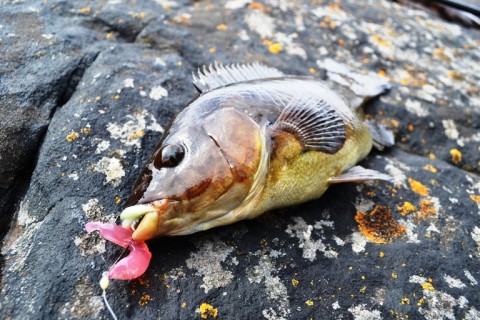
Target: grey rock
<point>86,90</point>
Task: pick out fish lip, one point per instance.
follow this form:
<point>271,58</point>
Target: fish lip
<point>131,216</point>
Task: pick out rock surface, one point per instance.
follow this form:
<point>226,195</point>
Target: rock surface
<point>87,88</point>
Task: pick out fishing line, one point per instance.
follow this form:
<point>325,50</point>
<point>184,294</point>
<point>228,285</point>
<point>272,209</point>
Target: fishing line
<point>104,282</point>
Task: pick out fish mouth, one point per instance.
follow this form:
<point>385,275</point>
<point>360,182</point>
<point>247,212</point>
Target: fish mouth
<point>143,219</point>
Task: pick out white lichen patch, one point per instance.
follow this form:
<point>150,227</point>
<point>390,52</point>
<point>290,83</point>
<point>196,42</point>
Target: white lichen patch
<point>236,4</point>
<point>102,146</point>
<point>335,305</point>
<point>450,129</point>
<point>207,261</point>
<point>470,277</point>
<point>399,178</point>
<point>454,282</point>
<point>472,314</point>
<point>93,209</point>
<point>476,237</point>
<point>84,302</point>
<point>112,169</point>
<point>275,289</point>
<point>305,232</point>
<point>439,305</point>
<point>416,108</point>
<point>73,175</point>
<point>261,23</point>
<point>358,242</point>
<point>361,312</point>
<point>90,244</point>
<point>158,92</point>
<point>131,131</point>
<point>128,83</point>
<point>363,204</point>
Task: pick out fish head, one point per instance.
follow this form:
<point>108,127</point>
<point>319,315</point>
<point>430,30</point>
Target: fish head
<point>198,173</point>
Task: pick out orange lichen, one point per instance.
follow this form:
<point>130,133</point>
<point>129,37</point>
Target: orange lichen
<point>475,198</point>
<point>418,187</point>
<point>257,6</point>
<point>144,300</point>
<point>427,210</point>
<point>275,48</point>
<point>406,208</point>
<point>207,311</point>
<point>379,225</point>
<point>456,156</point>
<point>430,168</point>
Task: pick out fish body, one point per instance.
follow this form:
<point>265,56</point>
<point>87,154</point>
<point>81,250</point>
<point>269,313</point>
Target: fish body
<point>254,140</point>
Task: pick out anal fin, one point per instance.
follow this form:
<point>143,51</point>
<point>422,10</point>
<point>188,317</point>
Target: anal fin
<point>359,174</point>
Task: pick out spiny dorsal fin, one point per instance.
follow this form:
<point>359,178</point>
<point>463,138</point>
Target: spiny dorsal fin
<point>218,76</point>
<point>314,123</point>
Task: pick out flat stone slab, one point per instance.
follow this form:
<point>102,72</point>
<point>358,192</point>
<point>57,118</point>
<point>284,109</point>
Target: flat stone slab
<point>91,87</point>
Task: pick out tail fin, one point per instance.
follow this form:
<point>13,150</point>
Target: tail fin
<point>382,137</point>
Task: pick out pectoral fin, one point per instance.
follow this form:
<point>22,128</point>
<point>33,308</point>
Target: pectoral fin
<point>359,174</point>
<point>314,123</point>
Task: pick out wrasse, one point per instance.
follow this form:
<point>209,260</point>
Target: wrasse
<point>254,140</point>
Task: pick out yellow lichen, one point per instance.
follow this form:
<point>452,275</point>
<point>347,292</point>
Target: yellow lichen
<point>394,275</point>
<point>420,302</point>
<point>86,130</point>
<point>183,305</point>
<point>309,303</point>
<point>207,311</point>
<point>456,156</point>
<point>363,289</point>
<point>428,286</point>
<point>212,50</point>
<point>432,155</point>
<point>222,27</point>
<point>110,35</point>
<point>312,70</point>
<point>430,168</point>
<point>118,199</point>
<point>405,301</point>
<point>475,198</point>
<point>379,225</point>
<point>275,48</point>
<point>72,136</point>
<point>85,10</point>
<point>418,187</point>
<point>406,208</point>
<point>381,254</point>
<point>294,282</point>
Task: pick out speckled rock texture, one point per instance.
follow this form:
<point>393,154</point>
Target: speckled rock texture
<point>87,88</point>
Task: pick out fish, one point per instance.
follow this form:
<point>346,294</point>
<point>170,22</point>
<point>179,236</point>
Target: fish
<point>254,140</point>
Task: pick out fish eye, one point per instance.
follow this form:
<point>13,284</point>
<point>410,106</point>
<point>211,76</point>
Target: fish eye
<point>169,156</point>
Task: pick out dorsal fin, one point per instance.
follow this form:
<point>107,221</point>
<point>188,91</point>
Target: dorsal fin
<point>314,123</point>
<point>218,76</point>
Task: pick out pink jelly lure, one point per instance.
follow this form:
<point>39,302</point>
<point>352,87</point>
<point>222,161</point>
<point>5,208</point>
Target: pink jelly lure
<point>136,263</point>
